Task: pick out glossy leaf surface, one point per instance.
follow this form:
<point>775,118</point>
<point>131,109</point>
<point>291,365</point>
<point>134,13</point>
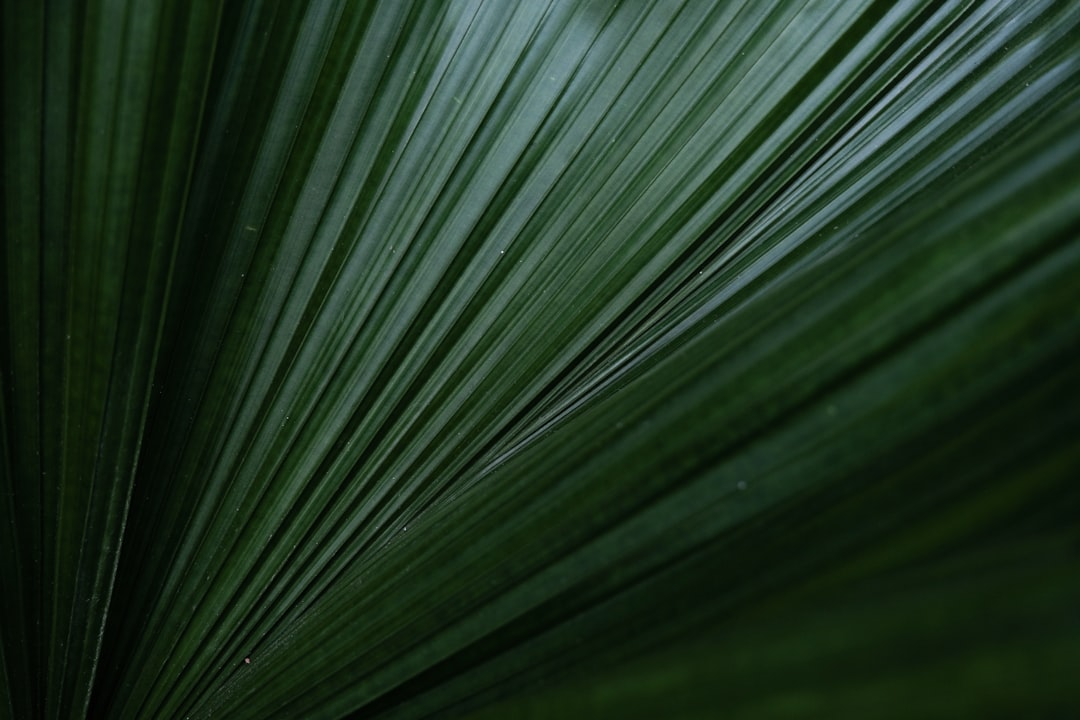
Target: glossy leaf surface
<point>540,359</point>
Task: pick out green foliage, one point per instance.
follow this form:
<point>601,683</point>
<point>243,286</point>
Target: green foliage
<point>540,359</point>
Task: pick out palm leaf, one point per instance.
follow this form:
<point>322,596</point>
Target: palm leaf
<point>539,359</point>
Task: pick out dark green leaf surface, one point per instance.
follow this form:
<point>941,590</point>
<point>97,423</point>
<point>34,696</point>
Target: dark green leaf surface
<point>540,359</point>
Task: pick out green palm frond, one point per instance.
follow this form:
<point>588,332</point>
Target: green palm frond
<point>540,359</point>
